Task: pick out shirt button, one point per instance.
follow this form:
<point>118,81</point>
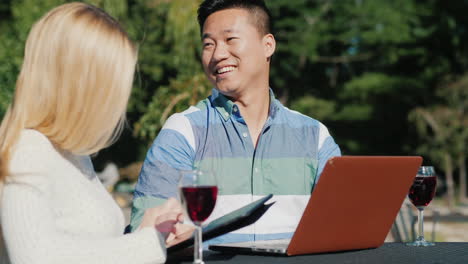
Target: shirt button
<point>244,134</point>
<point>256,170</point>
<point>234,109</point>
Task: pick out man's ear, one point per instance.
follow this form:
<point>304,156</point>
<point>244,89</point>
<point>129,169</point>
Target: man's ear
<point>269,44</point>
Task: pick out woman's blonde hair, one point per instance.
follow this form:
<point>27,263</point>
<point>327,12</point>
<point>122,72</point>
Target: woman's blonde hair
<point>74,83</point>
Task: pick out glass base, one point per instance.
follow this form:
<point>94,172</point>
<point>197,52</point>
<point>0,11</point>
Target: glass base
<point>420,243</point>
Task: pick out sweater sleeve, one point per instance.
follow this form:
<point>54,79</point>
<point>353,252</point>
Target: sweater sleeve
<point>30,231</point>
<point>31,238</point>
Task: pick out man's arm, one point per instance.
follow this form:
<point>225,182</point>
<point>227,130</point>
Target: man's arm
<point>327,148</point>
<point>172,151</point>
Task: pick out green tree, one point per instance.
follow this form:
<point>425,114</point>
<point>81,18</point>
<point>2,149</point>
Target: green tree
<point>16,20</point>
<point>170,76</point>
<point>435,126</point>
<point>443,130</point>
<point>455,94</point>
<point>448,56</point>
<point>359,66</point>
<point>353,55</point>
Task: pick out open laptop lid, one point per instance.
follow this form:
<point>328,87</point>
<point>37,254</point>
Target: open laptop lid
<point>354,203</point>
<point>352,207</point>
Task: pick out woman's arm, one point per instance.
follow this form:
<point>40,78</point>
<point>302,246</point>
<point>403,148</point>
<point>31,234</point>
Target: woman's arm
<point>31,236</point>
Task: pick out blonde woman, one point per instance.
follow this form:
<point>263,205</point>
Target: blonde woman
<point>69,102</point>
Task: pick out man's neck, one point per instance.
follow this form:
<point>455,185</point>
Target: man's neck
<point>254,108</point>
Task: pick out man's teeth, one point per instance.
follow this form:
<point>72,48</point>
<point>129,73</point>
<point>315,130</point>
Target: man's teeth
<point>225,69</point>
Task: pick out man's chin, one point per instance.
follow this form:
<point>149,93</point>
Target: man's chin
<point>227,91</point>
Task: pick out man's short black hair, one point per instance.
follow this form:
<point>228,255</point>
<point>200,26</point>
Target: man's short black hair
<point>258,10</point>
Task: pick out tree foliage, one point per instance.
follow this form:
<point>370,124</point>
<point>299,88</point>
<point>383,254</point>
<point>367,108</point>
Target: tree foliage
<point>170,76</point>
<point>359,66</point>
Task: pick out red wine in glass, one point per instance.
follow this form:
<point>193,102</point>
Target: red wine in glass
<point>200,201</point>
<point>422,191</point>
<point>198,192</point>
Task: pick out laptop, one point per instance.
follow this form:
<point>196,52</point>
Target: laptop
<point>353,206</point>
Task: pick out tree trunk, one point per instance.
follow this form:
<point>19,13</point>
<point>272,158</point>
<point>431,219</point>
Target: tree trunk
<point>462,167</point>
<point>449,181</point>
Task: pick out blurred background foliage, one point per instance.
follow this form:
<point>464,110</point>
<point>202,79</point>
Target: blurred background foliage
<point>386,77</point>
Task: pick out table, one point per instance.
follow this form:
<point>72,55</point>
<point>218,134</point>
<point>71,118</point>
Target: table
<point>447,252</point>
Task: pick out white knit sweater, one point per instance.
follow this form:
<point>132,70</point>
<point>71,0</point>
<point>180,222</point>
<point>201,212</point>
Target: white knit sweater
<point>55,210</point>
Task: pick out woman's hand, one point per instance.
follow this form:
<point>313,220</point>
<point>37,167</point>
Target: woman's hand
<point>165,218</point>
<point>181,233</point>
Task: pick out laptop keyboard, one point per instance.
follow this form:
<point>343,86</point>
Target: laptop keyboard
<point>277,243</point>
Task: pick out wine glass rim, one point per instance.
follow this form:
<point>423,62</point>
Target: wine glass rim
<point>197,177</point>
<point>426,171</point>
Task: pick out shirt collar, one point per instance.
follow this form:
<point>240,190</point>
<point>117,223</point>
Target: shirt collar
<point>225,106</point>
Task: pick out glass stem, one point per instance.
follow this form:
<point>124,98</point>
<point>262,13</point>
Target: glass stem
<point>198,248</point>
<point>421,220</point>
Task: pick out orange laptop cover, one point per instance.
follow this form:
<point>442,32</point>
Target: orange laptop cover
<point>354,203</point>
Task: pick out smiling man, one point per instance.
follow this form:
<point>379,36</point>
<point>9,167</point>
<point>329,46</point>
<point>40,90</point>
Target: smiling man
<point>242,133</point>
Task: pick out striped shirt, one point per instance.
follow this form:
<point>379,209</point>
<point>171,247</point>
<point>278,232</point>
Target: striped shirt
<point>290,155</point>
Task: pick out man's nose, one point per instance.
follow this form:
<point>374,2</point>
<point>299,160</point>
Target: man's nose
<point>220,53</point>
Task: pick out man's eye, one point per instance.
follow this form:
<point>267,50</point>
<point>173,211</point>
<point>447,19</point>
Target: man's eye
<point>231,38</point>
<point>207,44</point>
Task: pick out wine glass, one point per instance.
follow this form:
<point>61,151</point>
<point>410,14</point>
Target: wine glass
<point>198,192</point>
<point>421,193</point>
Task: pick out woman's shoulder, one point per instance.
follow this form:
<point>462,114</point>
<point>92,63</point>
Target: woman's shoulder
<point>32,137</point>
<point>32,152</point>
<point>32,143</point>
